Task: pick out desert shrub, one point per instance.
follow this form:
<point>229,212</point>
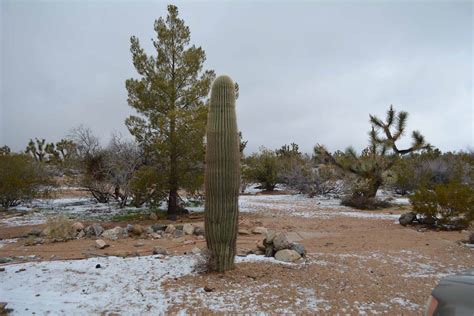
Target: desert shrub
<point>59,228</point>
<point>446,205</point>
<point>363,202</point>
<point>146,187</point>
<point>21,179</point>
<point>263,168</point>
<point>305,176</point>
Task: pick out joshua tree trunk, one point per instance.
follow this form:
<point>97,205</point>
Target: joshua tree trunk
<point>222,178</point>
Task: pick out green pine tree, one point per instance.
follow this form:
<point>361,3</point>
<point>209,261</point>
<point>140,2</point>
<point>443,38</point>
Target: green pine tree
<point>170,98</point>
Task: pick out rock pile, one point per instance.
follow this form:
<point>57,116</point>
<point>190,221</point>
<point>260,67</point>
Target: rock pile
<point>277,245</point>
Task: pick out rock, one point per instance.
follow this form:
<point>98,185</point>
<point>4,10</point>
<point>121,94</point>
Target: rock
<point>137,230</point>
<point>299,248</point>
<point>5,259</point>
<point>269,251</point>
<point>196,250</point>
<point>208,289</point>
<point>149,230</point>
<point>471,238</point>
<point>200,237</point>
<point>179,239</point>
<point>156,235</point>
<point>159,250</point>
<point>170,229</point>
<point>243,252</point>
<point>260,245</point>
<point>281,242</point>
<point>98,266</point>
<point>99,243</point>
<point>179,227</point>
<point>189,242</point>
<point>35,232</point>
<point>78,226</point>
<point>259,230</point>
<point>199,231</point>
<point>178,233</point>
<point>114,233</point>
<point>188,229</point>
<point>158,227</point>
<point>287,255</point>
<point>3,269</point>
<point>258,251</point>
<point>153,216</point>
<point>81,234</point>
<point>269,237</point>
<point>139,243</point>
<point>407,218</point>
<point>93,230</point>
<point>243,231</point>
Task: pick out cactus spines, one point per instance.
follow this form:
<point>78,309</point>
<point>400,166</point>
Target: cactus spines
<point>222,177</point>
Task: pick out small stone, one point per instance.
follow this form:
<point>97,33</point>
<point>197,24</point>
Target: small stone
<point>81,234</point>
<point>35,232</point>
<point>200,237</point>
<point>99,243</point>
<point>2,269</point>
<point>189,242</point>
<point>199,231</point>
<point>153,216</point>
<point>155,236</point>
<point>299,249</point>
<point>170,229</point>
<point>407,218</point>
<point>188,229</point>
<point>287,255</point>
<point>98,230</point>
<point>196,250</point>
<point>243,231</point>
<point>139,244</point>
<point>269,251</point>
<point>269,237</point>
<point>78,226</point>
<point>178,233</point>
<point>113,234</point>
<point>208,289</point>
<point>259,230</point>
<point>137,230</point>
<point>260,245</point>
<point>159,250</point>
<point>158,227</point>
<point>243,252</point>
<point>98,266</point>
<point>258,251</point>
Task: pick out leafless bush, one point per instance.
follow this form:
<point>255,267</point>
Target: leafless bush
<point>59,228</point>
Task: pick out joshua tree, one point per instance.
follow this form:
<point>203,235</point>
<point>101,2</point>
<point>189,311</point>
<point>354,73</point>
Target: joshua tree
<point>222,176</point>
<point>381,154</point>
<point>37,149</point>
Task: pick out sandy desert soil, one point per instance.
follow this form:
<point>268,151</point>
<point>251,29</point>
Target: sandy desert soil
<point>357,262</point>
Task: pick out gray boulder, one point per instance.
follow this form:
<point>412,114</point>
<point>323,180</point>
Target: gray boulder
<point>94,230</point>
<point>114,233</point>
<point>158,227</point>
<point>299,248</point>
<point>281,242</point>
<point>407,218</point>
<point>188,229</point>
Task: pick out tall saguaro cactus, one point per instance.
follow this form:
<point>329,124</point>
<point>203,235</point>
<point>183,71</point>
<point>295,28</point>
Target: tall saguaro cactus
<point>222,178</point>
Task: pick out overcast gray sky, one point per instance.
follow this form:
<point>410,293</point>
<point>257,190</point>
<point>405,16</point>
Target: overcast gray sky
<point>309,72</point>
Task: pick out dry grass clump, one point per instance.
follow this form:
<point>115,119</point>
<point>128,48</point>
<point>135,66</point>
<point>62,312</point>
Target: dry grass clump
<point>59,228</point>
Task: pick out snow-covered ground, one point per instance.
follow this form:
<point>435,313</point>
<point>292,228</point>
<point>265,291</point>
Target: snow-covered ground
<point>134,285</point>
<point>77,287</point>
<point>277,205</point>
